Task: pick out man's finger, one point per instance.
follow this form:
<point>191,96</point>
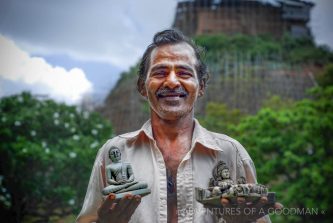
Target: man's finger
<point>107,204</point>
<point>241,200</point>
<point>263,200</point>
<point>132,206</point>
<point>224,202</point>
<point>113,206</point>
<point>123,203</point>
<point>278,206</point>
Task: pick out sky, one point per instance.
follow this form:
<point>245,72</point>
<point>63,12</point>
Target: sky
<point>74,50</point>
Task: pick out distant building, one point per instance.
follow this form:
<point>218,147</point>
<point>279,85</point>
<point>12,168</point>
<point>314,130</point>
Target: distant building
<point>251,17</point>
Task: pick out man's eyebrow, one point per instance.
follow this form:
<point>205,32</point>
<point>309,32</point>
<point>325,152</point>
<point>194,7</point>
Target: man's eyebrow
<point>179,67</point>
<point>158,67</point>
<point>185,67</point>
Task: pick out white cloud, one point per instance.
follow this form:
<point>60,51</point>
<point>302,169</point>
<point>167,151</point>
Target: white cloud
<point>61,84</point>
<point>321,22</point>
<point>111,31</point>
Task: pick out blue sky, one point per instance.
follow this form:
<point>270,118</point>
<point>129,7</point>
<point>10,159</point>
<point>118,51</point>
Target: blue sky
<point>70,50</point>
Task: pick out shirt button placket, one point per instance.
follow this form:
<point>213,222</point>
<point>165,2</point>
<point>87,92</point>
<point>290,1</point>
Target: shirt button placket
<point>163,190</point>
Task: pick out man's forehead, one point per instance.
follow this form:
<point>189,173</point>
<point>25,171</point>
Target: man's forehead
<point>180,52</point>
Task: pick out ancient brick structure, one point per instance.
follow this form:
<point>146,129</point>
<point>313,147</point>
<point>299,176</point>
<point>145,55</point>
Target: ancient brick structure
<point>250,17</point>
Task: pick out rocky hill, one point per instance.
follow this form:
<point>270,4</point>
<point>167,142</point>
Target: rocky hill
<point>245,71</point>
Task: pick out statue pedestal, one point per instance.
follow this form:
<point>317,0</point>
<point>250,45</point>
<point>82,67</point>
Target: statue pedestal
<point>141,192</point>
<point>216,200</point>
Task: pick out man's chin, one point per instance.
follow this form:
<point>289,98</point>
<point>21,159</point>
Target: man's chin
<point>171,101</point>
<point>172,114</point>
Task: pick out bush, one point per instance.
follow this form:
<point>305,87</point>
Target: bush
<point>291,146</point>
<point>47,150</point>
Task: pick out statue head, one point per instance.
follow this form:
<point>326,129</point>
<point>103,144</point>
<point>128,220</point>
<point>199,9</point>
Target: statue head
<point>221,171</point>
<point>225,174</point>
<point>114,154</point>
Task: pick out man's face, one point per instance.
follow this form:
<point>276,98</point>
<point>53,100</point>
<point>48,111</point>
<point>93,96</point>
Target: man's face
<point>172,84</point>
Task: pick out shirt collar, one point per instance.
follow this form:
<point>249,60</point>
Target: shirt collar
<point>146,129</point>
<point>204,137</point>
<point>200,135</point>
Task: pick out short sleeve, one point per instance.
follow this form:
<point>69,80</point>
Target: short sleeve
<point>94,197</point>
<point>248,170</point>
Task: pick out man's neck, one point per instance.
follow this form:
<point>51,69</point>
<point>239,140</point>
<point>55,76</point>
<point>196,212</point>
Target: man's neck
<point>172,130</point>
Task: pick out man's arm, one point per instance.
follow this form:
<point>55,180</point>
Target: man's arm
<point>259,209</point>
<point>244,209</point>
<point>95,208</point>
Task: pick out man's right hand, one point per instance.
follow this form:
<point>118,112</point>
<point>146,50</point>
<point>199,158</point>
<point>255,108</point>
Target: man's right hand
<point>121,211</point>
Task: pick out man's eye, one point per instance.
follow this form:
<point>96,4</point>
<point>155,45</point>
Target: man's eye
<point>184,74</point>
<point>159,74</point>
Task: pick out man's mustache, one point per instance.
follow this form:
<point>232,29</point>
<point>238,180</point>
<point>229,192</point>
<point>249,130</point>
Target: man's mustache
<point>163,92</point>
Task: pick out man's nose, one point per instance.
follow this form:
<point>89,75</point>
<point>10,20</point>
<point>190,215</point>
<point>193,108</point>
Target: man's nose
<point>172,81</point>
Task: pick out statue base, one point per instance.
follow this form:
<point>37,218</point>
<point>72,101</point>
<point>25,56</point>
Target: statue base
<point>141,192</point>
<point>216,200</point>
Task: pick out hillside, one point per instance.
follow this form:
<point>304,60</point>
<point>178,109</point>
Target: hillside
<point>245,71</point>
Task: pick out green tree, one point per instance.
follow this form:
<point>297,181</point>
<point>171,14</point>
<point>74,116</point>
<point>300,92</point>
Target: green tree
<point>292,150</point>
<point>220,118</point>
<point>325,78</point>
<point>291,145</point>
<point>288,49</point>
<point>46,154</point>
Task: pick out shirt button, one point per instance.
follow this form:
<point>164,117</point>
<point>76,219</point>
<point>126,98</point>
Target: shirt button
<point>163,202</point>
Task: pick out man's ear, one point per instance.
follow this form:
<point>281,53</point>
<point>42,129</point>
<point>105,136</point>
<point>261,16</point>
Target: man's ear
<point>143,91</point>
<point>201,89</point>
<point>141,88</point>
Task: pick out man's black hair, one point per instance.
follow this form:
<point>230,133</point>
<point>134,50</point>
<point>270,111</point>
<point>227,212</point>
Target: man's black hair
<point>171,36</point>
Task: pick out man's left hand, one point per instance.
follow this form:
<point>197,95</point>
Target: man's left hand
<point>243,210</point>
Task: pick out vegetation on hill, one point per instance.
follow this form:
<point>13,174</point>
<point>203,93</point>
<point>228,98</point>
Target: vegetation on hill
<point>288,49</point>
<point>245,71</point>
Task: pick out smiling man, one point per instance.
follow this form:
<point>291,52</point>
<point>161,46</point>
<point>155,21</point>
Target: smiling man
<point>172,152</point>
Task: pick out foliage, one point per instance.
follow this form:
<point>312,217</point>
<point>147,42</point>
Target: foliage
<point>277,103</point>
<point>325,78</point>
<point>46,154</point>
<point>219,117</point>
<point>131,73</point>
<point>294,145</point>
<point>291,50</point>
<point>291,146</point>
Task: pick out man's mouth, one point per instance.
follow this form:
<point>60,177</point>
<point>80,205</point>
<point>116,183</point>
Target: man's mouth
<point>169,93</point>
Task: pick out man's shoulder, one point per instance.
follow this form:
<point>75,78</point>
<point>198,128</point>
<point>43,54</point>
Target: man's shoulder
<point>218,138</point>
<point>222,137</point>
<point>225,143</point>
<point>120,140</point>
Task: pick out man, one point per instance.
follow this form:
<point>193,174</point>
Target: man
<point>171,152</point>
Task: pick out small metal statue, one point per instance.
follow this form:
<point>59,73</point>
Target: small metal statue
<point>120,177</point>
<point>220,185</point>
